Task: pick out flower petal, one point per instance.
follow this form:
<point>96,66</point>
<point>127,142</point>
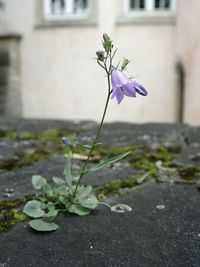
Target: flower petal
<point>129,90</point>
<point>118,78</point>
<point>113,93</point>
<point>140,89</point>
<point>119,95</point>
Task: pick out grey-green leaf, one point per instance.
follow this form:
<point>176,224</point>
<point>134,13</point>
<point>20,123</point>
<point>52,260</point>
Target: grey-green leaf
<point>68,169</point>
<point>33,209</point>
<point>40,225</point>
<point>78,209</point>
<point>75,178</point>
<point>58,180</point>
<point>38,181</point>
<point>63,190</point>
<point>47,189</point>
<point>90,202</point>
<point>108,162</point>
<point>84,191</point>
<point>65,201</point>
<point>51,213</point>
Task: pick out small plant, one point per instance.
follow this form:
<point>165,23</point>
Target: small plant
<point>68,195</point>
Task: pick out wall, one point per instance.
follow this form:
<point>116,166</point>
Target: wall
<point>188,53</point>
<point>4,64</point>
<point>10,86</point>
<point>60,78</point>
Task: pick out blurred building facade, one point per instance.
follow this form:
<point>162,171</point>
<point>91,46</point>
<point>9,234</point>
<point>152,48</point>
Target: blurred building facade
<point>47,51</point>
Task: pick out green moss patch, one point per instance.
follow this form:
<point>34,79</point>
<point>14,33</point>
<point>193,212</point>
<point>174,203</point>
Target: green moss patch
<point>10,213</point>
<point>48,134</point>
<point>52,145</point>
<point>21,159</point>
<point>115,187</point>
<point>188,172</point>
<point>186,182</point>
<point>145,158</point>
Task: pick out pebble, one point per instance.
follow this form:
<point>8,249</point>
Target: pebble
<point>160,207</point>
<point>9,190</point>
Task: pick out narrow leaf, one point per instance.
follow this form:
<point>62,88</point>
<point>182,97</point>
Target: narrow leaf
<point>40,225</point>
<point>68,169</point>
<point>108,162</point>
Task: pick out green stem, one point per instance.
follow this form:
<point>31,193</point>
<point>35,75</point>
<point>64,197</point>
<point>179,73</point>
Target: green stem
<point>96,138</point>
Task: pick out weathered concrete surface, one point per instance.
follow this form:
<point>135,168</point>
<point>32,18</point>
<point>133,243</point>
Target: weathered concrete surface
<point>147,236</point>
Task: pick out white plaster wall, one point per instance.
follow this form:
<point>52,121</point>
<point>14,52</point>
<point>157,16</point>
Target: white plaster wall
<point>60,78</point>
<point>188,52</point>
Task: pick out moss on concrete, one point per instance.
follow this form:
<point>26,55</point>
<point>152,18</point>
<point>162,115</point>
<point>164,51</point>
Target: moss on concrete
<point>188,172</point>
<point>10,213</point>
<point>52,146</point>
<point>145,158</point>
<point>115,187</point>
<point>21,159</point>
<point>186,182</point>
<point>49,134</point>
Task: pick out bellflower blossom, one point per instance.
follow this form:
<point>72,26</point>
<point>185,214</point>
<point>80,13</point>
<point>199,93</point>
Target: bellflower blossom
<point>122,85</point>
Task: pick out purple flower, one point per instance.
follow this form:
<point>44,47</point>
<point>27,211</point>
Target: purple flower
<point>122,85</point>
<point>67,141</point>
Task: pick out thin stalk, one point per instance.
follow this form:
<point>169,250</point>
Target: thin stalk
<point>96,138</point>
<point>102,66</point>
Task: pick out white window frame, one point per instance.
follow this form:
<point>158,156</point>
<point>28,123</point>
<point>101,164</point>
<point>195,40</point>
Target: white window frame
<point>67,14</point>
<point>149,10</point>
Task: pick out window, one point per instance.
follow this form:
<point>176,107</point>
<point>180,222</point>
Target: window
<point>137,4</point>
<point>150,6</point>
<point>162,4</point>
<point>66,9</point>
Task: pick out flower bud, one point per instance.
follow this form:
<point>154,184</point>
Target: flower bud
<point>100,55</point>
<point>67,141</point>
<point>124,64</point>
<point>106,38</point>
<point>107,42</point>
